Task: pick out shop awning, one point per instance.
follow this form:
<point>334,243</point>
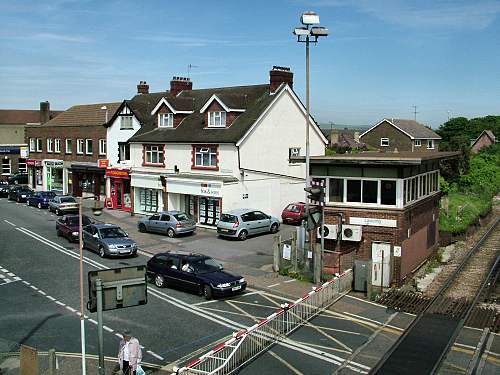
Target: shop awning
<point>87,168</point>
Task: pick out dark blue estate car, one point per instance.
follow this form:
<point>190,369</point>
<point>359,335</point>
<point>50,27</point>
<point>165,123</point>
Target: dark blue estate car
<point>195,272</point>
<point>40,199</point>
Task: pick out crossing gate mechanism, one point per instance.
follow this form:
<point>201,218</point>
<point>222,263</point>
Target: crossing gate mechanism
<point>246,344</point>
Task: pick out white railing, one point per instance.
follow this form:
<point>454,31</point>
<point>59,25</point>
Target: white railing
<point>248,343</point>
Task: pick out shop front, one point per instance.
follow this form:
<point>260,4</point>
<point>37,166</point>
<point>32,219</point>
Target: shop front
<point>119,189</point>
<point>53,175</point>
<point>87,179</point>
<point>202,200</point>
<point>147,193</point>
<point>35,173</point>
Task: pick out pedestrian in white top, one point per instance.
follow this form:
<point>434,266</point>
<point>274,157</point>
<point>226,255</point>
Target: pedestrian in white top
<point>129,353</point>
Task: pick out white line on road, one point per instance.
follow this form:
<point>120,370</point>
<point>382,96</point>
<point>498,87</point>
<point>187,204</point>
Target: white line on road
<point>25,282</point>
<point>273,285</point>
<point>93,321</point>
<point>108,329</point>
<point>8,222</point>
<point>289,281</point>
<point>50,297</point>
<point>70,308</point>
<point>155,355</point>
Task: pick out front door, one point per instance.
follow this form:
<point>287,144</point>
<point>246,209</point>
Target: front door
<point>381,264</point>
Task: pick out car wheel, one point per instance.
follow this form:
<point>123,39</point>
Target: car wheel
<point>159,281</point>
<point>170,233</point>
<point>39,206</point>
<point>207,292</point>
<point>243,235</point>
<point>15,182</point>
<point>142,228</point>
<point>102,253</point>
<point>274,228</point>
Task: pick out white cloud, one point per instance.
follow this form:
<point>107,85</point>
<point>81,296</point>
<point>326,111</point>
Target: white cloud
<point>47,37</point>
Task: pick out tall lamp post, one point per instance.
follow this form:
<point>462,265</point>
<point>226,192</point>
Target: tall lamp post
<point>309,34</point>
<point>97,212</point>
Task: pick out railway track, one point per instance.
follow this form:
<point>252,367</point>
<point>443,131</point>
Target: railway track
<point>460,300</point>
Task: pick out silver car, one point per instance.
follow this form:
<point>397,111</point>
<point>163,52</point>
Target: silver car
<point>242,223</point>
<point>63,204</point>
<point>171,223</point>
<point>108,240</point>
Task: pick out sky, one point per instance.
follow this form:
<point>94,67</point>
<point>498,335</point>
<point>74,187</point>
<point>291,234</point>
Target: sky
<point>380,59</point>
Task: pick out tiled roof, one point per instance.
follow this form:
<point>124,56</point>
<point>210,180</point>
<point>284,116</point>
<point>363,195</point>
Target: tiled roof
<point>414,128</point>
<point>85,115</point>
<point>254,99</point>
<point>22,116</point>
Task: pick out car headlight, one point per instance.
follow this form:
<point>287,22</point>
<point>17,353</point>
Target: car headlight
<point>225,285</point>
<point>112,246</point>
<point>242,280</point>
<point>75,234</point>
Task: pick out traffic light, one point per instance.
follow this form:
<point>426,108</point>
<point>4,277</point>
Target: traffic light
<point>316,192</point>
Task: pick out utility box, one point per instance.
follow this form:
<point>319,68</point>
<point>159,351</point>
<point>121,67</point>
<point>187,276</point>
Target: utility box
<point>361,271</point>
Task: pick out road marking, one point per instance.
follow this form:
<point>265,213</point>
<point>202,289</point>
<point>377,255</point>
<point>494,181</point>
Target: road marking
<point>42,292</point>
<point>145,254</point>
<point>8,222</point>
<point>60,303</point>
<point>285,363</point>
<point>25,282</point>
<point>50,297</point>
<point>92,321</point>
<point>33,287</point>
<point>10,274</point>
<point>155,355</point>
<point>7,281</point>
<point>107,329</point>
<point>273,285</point>
<point>289,281</point>
<point>70,309</point>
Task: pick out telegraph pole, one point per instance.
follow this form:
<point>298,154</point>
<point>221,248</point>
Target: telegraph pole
<point>415,112</point>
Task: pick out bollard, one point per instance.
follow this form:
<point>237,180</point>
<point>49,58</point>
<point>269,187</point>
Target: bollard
<point>52,362</point>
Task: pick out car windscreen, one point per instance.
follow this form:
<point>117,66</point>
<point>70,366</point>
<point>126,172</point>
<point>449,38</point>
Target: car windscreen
<point>182,217</point>
<point>48,194</point>
<point>206,265</point>
<point>293,208</point>
<point>68,200</point>
<point>113,232</point>
<point>226,218</point>
<point>73,221</point>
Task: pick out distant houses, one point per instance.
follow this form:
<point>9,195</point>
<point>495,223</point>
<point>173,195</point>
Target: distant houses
<point>486,138</point>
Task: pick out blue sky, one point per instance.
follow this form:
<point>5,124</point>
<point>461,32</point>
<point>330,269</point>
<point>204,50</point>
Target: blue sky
<point>381,58</point>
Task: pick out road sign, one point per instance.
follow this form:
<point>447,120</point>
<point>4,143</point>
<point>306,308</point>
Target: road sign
<point>121,287</point>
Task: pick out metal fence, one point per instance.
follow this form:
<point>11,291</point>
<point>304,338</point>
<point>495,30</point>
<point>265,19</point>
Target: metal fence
<point>246,344</point>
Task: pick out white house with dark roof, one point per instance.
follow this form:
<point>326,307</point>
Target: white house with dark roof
<point>401,135</point>
<point>205,151</point>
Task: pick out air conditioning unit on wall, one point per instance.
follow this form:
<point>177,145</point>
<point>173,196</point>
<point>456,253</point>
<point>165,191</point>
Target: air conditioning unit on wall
<point>351,232</point>
<point>331,231</point>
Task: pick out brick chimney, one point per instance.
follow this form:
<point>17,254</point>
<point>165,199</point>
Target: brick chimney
<point>142,88</point>
<point>279,75</point>
<point>178,84</point>
<point>44,112</point>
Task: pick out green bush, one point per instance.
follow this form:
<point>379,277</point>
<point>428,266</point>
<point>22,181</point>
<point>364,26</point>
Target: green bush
<point>464,209</point>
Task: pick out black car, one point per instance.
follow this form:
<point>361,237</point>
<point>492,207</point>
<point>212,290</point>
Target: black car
<point>19,193</point>
<point>4,188</point>
<point>18,178</point>
<point>195,272</point>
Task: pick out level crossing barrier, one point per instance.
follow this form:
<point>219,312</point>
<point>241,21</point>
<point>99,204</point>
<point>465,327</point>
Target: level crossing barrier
<point>248,343</point>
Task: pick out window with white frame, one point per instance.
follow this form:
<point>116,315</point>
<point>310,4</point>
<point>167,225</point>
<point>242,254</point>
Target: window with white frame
<point>153,154</point>
<point>123,151</point>
<point>57,145</point>
<point>126,122</point>
<point>418,143</point>
<point>50,145</point>
<point>39,144</point>
<point>384,142</point>
<point>32,144</point>
<point>79,146</point>
<point>430,144</point>
<point>5,166</point>
<point>88,147</point>
<point>22,167</point>
<point>69,146</point>
<point>217,119</point>
<point>166,120</point>
<point>205,156</point>
<point>102,147</point>
<point>421,186</point>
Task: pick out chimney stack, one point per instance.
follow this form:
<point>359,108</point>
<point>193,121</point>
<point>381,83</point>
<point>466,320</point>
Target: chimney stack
<point>178,84</point>
<point>142,88</point>
<point>356,136</point>
<point>279,75</point>
<point>44,112</point>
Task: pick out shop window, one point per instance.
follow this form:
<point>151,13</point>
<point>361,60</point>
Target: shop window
<point>32,144</point>
<point>6,167</point>
<point>353,190</point>
<point>166,120</point>
<point>79,146</point>
<point>69,146</point>
<point>102,147</point>
<point>123,152</point>
<point>205,157</point>
<point>148,200</point>
<point>336,190</point>
<point>388,192</point>
<point>57,145</point>
<point>209,210</point>
<point>50,145</point>
<point>153,155</point>
<point>126,122</point>
<point>370,191</point>
<point>22,167</point>
<point>216,119</point>
<point>88,147</point>
<point>39,144</point>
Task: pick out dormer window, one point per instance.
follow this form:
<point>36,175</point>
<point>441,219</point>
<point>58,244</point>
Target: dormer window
<point>217,119</point>
<point>166,120</point>
<point>126,122</point>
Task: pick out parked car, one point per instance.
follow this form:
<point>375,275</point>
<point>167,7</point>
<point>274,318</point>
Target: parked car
<point>18,178</point>
<point>19,193</point>
<point>108,240</point>
<point>68,226</point>
<point>40,199</point>
<point>202,275</point>
<point>244,222</point>
<point>172,223</point>
<point>293,213</point>
<point>4,189</point>
<point>63,204</point>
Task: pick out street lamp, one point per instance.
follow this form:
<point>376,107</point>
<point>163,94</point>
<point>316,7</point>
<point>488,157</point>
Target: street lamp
<point>308,34</point>
<point>97,212</point>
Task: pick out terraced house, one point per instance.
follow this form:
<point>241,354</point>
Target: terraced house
<point>208,150</point>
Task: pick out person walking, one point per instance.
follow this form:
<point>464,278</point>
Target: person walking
<point>129,353</point>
